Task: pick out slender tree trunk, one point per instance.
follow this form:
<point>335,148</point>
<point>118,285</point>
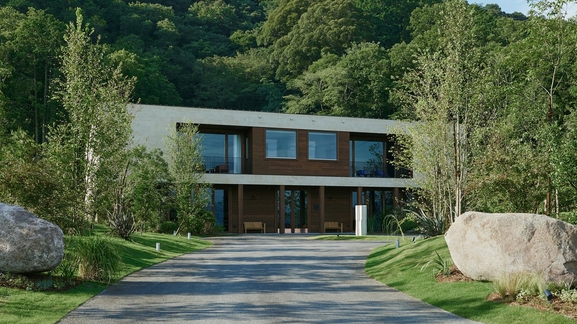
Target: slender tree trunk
<point>45,102</point>
<point>35,103</point>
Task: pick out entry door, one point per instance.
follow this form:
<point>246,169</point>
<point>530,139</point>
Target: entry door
<point>296,209</point>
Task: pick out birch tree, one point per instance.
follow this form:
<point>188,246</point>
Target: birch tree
<point>89,149</point>
<point>439,94</point>
<point>553,41</point>
<point>190,193</point>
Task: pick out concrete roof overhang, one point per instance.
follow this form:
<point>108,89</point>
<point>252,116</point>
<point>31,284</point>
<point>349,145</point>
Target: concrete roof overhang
<point>152,123</point>
<point>306,181</point>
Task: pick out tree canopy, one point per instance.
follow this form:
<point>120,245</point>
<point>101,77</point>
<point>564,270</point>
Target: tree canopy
<point>502,82</point>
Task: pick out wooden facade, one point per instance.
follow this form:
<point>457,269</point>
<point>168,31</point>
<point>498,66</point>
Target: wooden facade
<point>294,194</point>
<point>302,165</point>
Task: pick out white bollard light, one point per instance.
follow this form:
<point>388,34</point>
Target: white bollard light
<point>157,246</point>
<point>189,236</point>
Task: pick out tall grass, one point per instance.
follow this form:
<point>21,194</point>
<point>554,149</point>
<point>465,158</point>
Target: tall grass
<point>97,257</point>
<point>511,286</point>
<point>439,265</point>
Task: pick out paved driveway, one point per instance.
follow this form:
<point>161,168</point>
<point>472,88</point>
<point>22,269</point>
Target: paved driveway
<point>260,279</point>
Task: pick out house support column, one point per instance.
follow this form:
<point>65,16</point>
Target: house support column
<point>281,203</point>
<point>322,208</point>
<point>240,205</point>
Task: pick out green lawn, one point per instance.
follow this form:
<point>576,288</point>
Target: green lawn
<point>401,269</point>
<point>389,238</point>
<point>20,306</point>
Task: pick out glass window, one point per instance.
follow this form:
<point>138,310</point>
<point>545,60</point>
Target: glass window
<point>322,146</point>
<point>367,159</point>
<point>281,144</point>
<point>222,152</point>
<point>234,153</point>
<point>213,150</point>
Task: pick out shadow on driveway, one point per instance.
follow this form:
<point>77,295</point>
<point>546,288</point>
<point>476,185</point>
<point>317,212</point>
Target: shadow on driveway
<point>260,279</point>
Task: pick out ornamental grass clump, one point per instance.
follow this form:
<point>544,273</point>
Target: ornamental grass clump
<point>440,266</point>
<point>97,257</point>
<point>519,286</point>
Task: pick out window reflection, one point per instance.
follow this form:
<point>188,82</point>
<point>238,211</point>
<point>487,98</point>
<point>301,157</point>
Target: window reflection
<point>322,146</point>
<point>281,144</point>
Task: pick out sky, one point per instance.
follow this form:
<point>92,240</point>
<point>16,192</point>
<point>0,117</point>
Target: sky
<point>510,6</point>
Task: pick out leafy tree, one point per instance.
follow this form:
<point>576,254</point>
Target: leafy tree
<point>149,190</point>
<point>90,149</point>
<point>552,39</point>
<point>31,181</point>
<point>390,19</point>
<point>152,86</point>
<point>140,192</point>
<point>356,85</point>
<point>282,20</point>
<point>29,44</point>
<point>440,95</point>
<point>326,27</point>
<point>38,41</point>
<point>217,15</point>
<point>190,194</point>
<point>240,82</point>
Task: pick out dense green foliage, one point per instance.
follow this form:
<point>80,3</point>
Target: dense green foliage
<point>497,90</point>
<point>189,193</point>
<point>85,168</point>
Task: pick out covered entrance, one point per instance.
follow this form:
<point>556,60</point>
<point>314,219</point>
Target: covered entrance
<point>294,203</point>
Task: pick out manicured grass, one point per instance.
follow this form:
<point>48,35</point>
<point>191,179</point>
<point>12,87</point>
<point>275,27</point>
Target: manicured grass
<point>401,269</point>
<point>334,237</point>
<point>20,306</point>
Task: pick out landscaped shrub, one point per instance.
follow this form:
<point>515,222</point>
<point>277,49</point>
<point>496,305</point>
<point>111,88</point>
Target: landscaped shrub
<point>569,217</point>
<point>392,224</point>
<point>68,267</point>
<point>521,286</point>
<point>568,295</point>
<point>168,227</point>
<point>122,222</point>
<point>97,257</point>
<point>373,221</point>
<point>440,266</point>
<point>428,225</point>
<point>203,223</point>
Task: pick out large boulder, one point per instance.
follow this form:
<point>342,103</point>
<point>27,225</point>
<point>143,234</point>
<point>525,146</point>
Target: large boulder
<point>486,246</point>
<point>28,244</point>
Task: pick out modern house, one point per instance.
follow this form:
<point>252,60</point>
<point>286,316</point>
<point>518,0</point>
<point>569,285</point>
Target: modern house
<point>292,173</point>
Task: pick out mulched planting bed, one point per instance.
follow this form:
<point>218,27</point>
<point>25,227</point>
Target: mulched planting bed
<point>37,282</point>
<point>556,305</point>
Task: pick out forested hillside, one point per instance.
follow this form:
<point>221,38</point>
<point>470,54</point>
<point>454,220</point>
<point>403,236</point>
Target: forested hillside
<point>305,56</point>
<point>503,83</point>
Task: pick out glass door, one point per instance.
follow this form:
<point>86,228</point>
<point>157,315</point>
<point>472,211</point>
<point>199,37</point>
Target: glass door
<point>295,210</point>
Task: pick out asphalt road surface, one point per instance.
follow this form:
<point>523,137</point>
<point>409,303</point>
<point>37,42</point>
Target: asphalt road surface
<point>260,279</point>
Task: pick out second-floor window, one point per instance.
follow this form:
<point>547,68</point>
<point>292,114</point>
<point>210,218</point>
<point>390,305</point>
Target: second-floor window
<point>322,146</point>
<point>222,152</point>
<point>281,144</point>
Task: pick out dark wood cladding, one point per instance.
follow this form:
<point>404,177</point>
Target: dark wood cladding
<point>338,207</point>
<point>260,206</point>
<point>301,165</point>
